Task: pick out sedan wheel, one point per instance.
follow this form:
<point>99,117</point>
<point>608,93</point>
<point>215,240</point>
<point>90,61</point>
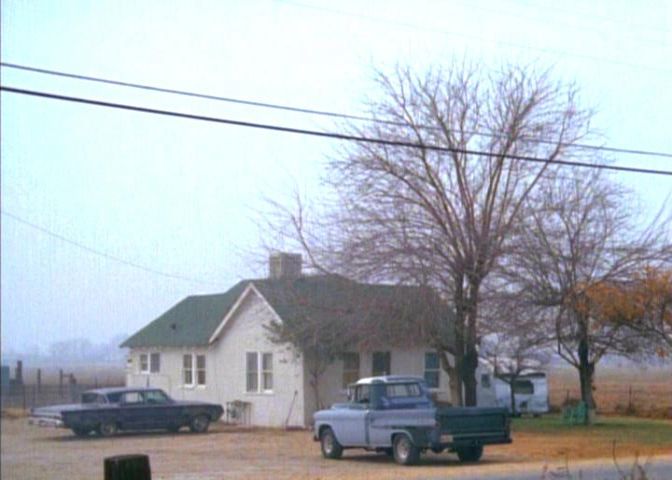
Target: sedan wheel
<point>199,424</point>
<point>107,429</point>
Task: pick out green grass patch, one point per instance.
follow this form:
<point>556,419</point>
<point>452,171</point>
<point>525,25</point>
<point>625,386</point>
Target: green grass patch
<point>619,429</point>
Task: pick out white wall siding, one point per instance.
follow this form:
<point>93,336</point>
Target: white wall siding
<point>245,333</point>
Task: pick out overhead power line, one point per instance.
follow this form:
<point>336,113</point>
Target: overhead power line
<point>334,135</point>
<point>324,113</point>
<point>100,253</point>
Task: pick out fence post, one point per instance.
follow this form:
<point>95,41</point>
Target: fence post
<point>39,380</point>
<point>60,382</point>
<point>630,398</point>
<point>23,391</point>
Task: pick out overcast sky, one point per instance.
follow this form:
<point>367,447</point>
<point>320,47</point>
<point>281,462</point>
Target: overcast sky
<point>181,197</point>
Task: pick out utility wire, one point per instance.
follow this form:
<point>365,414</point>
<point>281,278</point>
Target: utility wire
<point>324,113</point>
<point>338,136</point>
<point>99,252</point>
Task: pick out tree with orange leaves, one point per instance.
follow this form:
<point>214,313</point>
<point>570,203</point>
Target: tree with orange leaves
<point>643,305</point>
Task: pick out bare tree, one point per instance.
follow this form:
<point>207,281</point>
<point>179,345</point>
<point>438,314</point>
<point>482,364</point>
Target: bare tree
<point>442,218</point>
<point>581,233</point>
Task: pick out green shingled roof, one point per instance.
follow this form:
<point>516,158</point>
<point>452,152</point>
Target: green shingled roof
<point>387,310</point>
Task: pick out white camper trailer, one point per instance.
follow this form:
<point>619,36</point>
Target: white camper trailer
<point>530,392</point>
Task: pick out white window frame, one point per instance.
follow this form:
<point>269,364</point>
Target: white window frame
<point>156,355</point>
<point>143,366</point>
<point>193,368</point>
<point>198,369</point>
<point>261,373</point>
<point>190,356</point>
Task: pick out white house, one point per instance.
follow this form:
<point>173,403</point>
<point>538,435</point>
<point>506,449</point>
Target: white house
<point>216,348</point>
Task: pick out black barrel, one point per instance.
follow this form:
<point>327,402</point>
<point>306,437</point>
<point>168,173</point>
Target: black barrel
<point>127,467</point>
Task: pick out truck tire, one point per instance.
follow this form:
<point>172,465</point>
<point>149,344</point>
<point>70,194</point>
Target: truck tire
<point>470,454</point>
<point>107,429</point>
<point>329,445</point>
<point>405,452</point>
<point>199,424</point>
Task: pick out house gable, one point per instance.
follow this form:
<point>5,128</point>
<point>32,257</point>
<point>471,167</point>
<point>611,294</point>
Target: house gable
<point>249,290</point>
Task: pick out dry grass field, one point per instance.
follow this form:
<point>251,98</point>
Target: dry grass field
<point>645,391</point>
<point>229,452</point>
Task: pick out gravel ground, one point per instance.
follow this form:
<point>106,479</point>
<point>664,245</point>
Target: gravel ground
<point>40,453</point>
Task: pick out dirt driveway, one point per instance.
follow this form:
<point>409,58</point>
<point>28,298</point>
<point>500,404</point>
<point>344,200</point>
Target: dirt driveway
<point>36,453</point>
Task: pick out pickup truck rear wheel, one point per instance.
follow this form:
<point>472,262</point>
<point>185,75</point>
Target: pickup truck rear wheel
<point>107,429</point>
<point>405,453</point>
<point>199,424</point>
<point>330,446</point>
<point>470,454</point>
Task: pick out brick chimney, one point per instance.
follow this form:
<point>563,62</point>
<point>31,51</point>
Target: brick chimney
<point>284,265</point>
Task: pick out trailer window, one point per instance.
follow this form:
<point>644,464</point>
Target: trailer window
<point>524,387</point>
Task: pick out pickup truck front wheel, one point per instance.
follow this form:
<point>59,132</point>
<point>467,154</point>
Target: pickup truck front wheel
<point>470,454</point>
<point>405,453</point>
<point>330,446</point>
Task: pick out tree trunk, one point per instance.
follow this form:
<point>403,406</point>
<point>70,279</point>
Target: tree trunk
<point>512,381</point>
<point>586,373</point>
<point>314,383</point>
<point>454,379</point>
<point>470,362</point>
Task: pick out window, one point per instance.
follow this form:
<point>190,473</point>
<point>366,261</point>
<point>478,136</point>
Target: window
<point>200,369</point>
<point>154,363</point>
<point>350,368</point>
<point>524,387</point>
<point>362,394</point>
<point>188,369</point>
<point>402,390</point>
<point>252,372</point>
<point>150,363</point>
<point>432,369</point>
<point>144,364</point>
<point>156,397</point>
<point>193,366</point>
<point>132,398</point>
<point>259,372</point>
<point>381,363</point>
<point>485,380</point>
<point>267,371</point>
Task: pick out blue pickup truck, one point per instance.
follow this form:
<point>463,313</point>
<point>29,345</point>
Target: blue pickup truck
<point>395,415</point>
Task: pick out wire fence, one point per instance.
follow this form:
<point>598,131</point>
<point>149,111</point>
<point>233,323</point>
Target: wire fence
<point>29,396</point>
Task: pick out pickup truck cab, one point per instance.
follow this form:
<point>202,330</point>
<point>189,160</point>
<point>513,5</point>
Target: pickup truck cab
<point>108,410</point>
<point>395,415</point>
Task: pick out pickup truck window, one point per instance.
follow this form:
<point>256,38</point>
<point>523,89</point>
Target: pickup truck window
<point>397,390</point>
<point>362,394</point>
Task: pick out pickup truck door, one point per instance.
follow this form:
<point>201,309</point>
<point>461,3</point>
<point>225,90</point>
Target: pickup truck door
<point>351,427</point>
